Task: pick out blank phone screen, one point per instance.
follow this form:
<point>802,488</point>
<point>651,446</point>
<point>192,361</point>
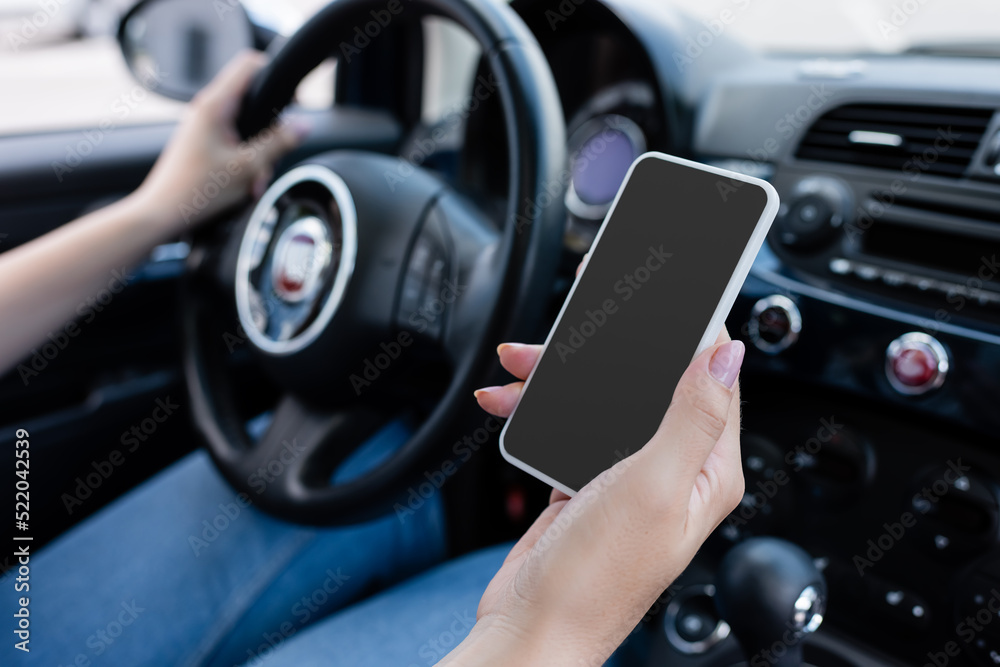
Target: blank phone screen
<point>634,321</point>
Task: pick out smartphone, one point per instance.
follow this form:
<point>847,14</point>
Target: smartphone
<point>655,290</point>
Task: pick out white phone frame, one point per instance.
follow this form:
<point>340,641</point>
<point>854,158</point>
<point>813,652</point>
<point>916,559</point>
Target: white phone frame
<point>718,319</point>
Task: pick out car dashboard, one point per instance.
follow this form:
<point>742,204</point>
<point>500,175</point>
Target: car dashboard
<point>871,317</point>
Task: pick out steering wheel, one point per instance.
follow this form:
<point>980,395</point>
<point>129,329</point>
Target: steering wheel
<point>355,268</point>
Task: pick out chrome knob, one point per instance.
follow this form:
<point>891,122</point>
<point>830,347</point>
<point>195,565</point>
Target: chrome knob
<point>916,363</point>
<point>775,323</point>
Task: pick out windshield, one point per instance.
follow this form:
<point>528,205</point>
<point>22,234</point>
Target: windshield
<point>853,26</point>
<point>60,67</point>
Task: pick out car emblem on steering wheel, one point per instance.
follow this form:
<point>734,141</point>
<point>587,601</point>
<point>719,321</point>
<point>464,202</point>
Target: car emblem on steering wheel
<point>301,256</point>
<point>288,289</point>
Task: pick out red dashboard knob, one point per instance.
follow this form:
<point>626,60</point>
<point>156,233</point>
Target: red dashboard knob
<point>916,363</point>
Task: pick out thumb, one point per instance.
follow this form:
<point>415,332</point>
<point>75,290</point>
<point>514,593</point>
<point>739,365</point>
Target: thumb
<point>699,411</point>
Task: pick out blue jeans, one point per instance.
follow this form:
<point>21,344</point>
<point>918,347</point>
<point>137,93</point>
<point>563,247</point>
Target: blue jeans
<point>177,572</point>
<point>414,624</point>
<point>146,582</point>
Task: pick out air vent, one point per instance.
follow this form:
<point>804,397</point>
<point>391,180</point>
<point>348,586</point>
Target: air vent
<point>898,137</point>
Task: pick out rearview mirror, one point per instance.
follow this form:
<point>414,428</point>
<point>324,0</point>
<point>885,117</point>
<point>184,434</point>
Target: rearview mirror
<point>175,47</point>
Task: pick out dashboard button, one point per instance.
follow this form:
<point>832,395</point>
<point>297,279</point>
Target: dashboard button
<point>976,611</point>
<point>808,222</point>
<point>915,366</point>
<point>900,605</point>
<point>691,622</point>
<point>766,504</point>
<point>904,609</point>
<point>818,207</point>
<point>775,324</point>
<point>834,471</point>
<point>916,363</point>
<point>903,606</point>
<point>695,624</point>
<point>424,294</point>
<point>957,511</point>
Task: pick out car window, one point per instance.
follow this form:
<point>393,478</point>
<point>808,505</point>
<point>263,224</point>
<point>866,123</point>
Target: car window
<point>449,68</point>
<point>61,68</point>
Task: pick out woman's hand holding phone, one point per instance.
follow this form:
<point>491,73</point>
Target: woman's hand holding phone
<point>589,568</point>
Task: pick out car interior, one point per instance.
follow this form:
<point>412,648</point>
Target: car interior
<point>461,172</point>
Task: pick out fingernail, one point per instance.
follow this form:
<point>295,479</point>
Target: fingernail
<point>485,390</point>
<point>726,362</point>
<point>502,346</point>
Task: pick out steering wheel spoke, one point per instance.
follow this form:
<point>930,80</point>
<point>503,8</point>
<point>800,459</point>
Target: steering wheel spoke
<point>303,446</point>
<point>469,301</point>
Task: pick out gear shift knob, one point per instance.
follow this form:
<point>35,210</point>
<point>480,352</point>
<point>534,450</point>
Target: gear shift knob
<point>771,594</point>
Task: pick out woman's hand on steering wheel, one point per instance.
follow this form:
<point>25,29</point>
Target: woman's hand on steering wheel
<point>205,168</point>
<point>589,568</point>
